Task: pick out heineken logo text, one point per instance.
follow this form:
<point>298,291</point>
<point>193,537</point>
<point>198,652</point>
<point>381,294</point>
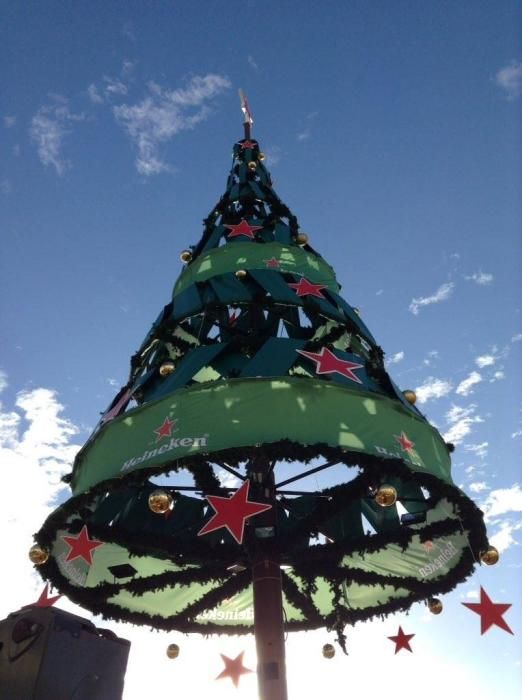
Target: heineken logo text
<point>173,444</point>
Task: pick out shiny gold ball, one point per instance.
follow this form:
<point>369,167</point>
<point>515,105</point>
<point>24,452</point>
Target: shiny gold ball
<point>386,495</point>
<point>38,555</point>
<point>173,651</point>
<point>261,156</point>
<point>167,368</point>
<point>301,239</point>
<point>328,651</point>
<point>410,396</point>
<point>185,256</point>
<point>490,556</point>
<point>241,274</point>
<point>252,165</point>
<point>160,501</point>
<point>435,606</point>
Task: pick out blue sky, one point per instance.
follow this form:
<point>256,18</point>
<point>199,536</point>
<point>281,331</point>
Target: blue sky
<point>392,130</point>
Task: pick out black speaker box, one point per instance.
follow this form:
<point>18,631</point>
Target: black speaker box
<point>49,654</point>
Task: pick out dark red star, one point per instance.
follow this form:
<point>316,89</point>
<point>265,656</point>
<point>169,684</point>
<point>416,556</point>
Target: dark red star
<point>401,640</point>
<point>242,229</point>
<point>327,363</point>
<point>81,546</point>
<point>406,444</point>
<point>490,613</point>
<point>233,668</point>
<point>232,512</point>
<point>165,430</point>
<point>248,144</point>
<point>45,601</point>
<point>305,288</point>
<point>272,263</point>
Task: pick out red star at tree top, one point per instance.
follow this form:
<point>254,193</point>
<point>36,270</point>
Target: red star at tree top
<point>232,512</point>
<point>81,546</point>
<point>272,263</point>
<point>233,668</point>
<point>490,613</point>
<point>401,640</point>
<point>44,601</point>
<point>165,430</point>
<point>305,288</point>
<point>327,363</point>
<point>406,444</point>
<point>248,144</point>
<point>242,229</point>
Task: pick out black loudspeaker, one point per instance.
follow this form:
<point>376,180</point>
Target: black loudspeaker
<point>49,654</point>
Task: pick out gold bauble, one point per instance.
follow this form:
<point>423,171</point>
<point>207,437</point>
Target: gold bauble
<point>328,651</point>
<point>386,495</point>
<point>252,165</point>
<point>173,651</point>
<point>185,256</point>
<point>261,156</point>
<point>301,239</point>
<point>38,555</point>
<point>240,274</point>
<point>490,556</point>
<point>435,606</point>
<point>167,368</point>
<point>410,396</point>
<point>160,501</point>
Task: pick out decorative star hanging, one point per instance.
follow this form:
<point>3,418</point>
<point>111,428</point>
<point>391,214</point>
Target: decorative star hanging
<point>242,229</point>
<point>234,668</point>
<point>406,444</point>
<point>401,640</point>
<point>328,363</point>
<point>305,288</point>
<point>165,430</point>
<point>44,601</point>
<point>272,263</point>
<point>490,613</point>
<point>81,546</point>
<point>248,144</point>
<point>232,512</point>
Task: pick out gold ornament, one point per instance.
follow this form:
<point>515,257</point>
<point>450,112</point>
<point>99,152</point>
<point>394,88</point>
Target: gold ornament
<point>301,239</point>
<point>328,651</point>
<point>173,651</point>
<point>261,156</point>
<point>435,606</point>
<point>167,368</point>
<point>410,396</point>
<point>185,256</point>
<point>252,165</point>
<point>38,555</point>
<point>386,495</point>
<point>490,556</point>
<point>160,501</point>
<point>241,274</point>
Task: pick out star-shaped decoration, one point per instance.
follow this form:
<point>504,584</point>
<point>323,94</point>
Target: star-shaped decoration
<point>272,263</point>
<point>328,363</point>
<point>428,545</point>
<point>232,512</point>
<point>81,546</point>
<point>490,613</point>
<point>165,430</point>
<point>45,601</point>
<point>234,668</point>
<point>406,444</point>
<point>401,640</point>
<point>242,229</point>
<point>305,288</point>
<point>248,144</point>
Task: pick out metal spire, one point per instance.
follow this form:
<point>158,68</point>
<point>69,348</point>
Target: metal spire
<point>247,115</point>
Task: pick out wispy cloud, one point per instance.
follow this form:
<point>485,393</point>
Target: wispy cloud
<point>480,450</point>
<point>478,486</point>
<point>485,360</point>
<point>306,132</point>
<point>442,294</point>
<point>466,385</point>
<point>272,155</point>
<point>433,388</point>
<point>516,338</point>
<point>502,501</point>
<point>9,121</point>
<point>163,114</point>
<point>94,94</point>
<point>509,78</point>
<point>497,376</point>
<point>49,127</point>
<point>482,278</point>
<point>114,86</point>
<point>252,63</point>
<point>3,381</point>
<point>432,356</point>
<point>128,31</point>
<point>461,420</point>
<point>394,359</point>
<point>517,433</point>
<point>503,538</point>
<point>5,186</point>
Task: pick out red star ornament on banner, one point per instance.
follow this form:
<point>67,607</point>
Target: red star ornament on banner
<point>327,363</point>
<point>232,512</point>
<point>401,640</point>
<point>234,668</point>
<point>248,144</point>
<point>81,546</point>
<point>165,430</point>
<point>490,613</point>
<point>242,229</point>
<point>305,288</point>
<point>273,263</point>
<point>44,601</point>
<point>406,444</point>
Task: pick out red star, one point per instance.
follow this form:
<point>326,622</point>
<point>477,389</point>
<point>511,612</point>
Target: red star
<point>490,613</point>
<point>242,229</point>
<point>233,668</point>
<point>406,444</point>
<point>232,512</point>
<point>272,263</point>
<point>165,430</point>
<point>327,363</point>
<point>305,288</point>
<point>428,545</point>
<point>248,144</point>
<point>81,546</point>
<point>44,601</point>
<point>401,640</point>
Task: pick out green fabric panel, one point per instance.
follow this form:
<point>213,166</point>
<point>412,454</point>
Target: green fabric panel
<point>325,307</point>
<point>356,319</point>
<point>229,289</point>
<point>345,524</point>
<point>225,414</point>
<point>282,233</point>
<point>274,358</point>
<point>382,519</point>
<point>229,361</point>
<point>187,303</point>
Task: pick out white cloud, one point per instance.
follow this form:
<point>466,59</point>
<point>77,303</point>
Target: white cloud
<point>480,450</point>
<point>478,486</point>
<point>306,132</point>
<point>509,78</point>
<point>465,387</point>
<point>442,294</point>
<point>516,338</point>
<point>272,156</point>
<point>127,67</point>
<point>94,95</point>
<point>461,420</point>
<point>503,538</point>
<point>48,130</point>
<point>482,278</point>
<point>163,114</point>
<point>432,355</point>
<point>114,86</point>
<point>398,357</point>
<point>9,121</point>
<point>497,376</point>
<point>433,389</point>
<point>517,433</point>
<point>485,360</point>
<point>502,501</point>
<point>252,63</point>
<point>3,381</point>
